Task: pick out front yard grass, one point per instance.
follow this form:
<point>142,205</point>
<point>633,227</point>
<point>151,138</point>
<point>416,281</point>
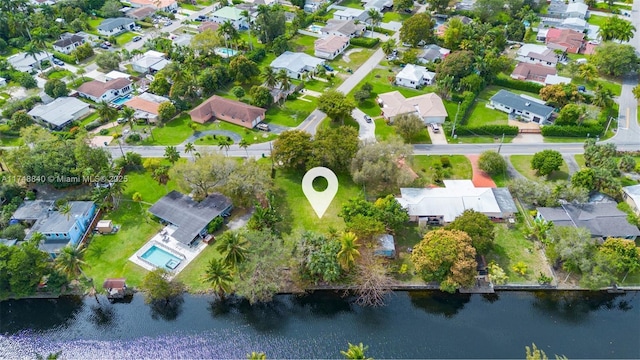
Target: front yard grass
<point>383,130</point>
<point>125,38</point>
<point>303,43</point>
<point>357,56</point>
<point>356,4</point>
<point>292,113</point>
<point>424,166</point>
<point>58,74</point>
<point>522,163</point>
<point>395,16</point>
<point>481,115</point>
<point>597,20</point>
<point>92,117</point>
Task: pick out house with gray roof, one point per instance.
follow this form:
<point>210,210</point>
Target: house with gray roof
<point>68,43</point>
<point>189,216</point>
<point>27,63</point>
<point>60,112</point>
<point>115,26</point>
<point>296,63</point>
<point>520,106</point>
<point>231,14</point>
<point>431,53</point>
<point>59,229</point>
<point>441,205</point>
<point>347,28</point>
<point>603,220</point>
<point>631,195</point>
<point>380,5</point>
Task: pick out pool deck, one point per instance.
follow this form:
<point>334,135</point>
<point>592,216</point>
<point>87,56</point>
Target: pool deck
<point>171,245</point>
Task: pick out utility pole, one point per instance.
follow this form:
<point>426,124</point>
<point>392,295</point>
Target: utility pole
<point>456,120</point>
<point>501,141</point>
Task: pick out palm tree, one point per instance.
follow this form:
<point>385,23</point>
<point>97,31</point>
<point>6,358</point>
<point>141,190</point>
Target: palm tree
<point>161,175</point>
<point>374,17</point>
<point>603,97</point>
<point>106,112</point>
<point>247,17</point>
<point>348,250</point>
<point>389,45</point>
<point>37,238</point>
<point>588,72</point>
<point>128,114</point>
<point>285,83</point>
<point>69,261</point>
<point>257,356</point>
<point>269,77</point>
<point>226,30</point>
<point>233,246</point>
<point>81,71</point>
<point>189,148</point>
<point>137,197</point>
<point>244,144</point>
<point>355,352</point>
<point>32,50</point>
<point>39,39</point>
<point>171,154</point>
<point>218,274</point>
<point>65,209</point>
<point>225,143</point>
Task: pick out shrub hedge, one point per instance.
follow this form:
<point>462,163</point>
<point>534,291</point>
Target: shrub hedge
<point>495,130</point>
<point>365,42</point>
<point>572,130</point>
<point>518,85</point>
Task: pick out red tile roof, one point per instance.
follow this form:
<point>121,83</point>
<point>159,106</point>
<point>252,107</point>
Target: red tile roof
<point>232,111</point>
<point>565,38</point>
<point>97,88</point>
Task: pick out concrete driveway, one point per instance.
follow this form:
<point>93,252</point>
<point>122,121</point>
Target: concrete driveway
<point>367,130</point>
<point>437,138</point>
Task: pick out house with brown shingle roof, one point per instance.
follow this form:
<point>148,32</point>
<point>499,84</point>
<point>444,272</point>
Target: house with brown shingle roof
<point>208,25</point>
<point>429,107</point>
<point>141,12</point>
<point>228,110</point>
<point>330,47</point>
<point>105,91</point>
<point>532,72</point>
<point>566,40</point>
<point>146,106</point>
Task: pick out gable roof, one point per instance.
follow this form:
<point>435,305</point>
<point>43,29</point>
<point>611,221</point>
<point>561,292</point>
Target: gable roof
<point>295,61</point>
<point>23,62</point>
<point>577,7</point>
<point>565,37</point>
<point>345,27</point>
<point>534,72</point>
<point>633,192</point>
<point>453,199</point>
<point>232,111</point>
<point>415,73</point>
<point>68,40</point>
<point>97,88</point>
<point>112,23</point>
<point>432,52</point>
<point>59,111</point>
<point>602,219</point>
<point>208,25</point>
<point>394,103</point>
<point>229,12</point>
<point>188,215</point>
<point>331,43</point>
<point>349,12</point>
<point>141,12</point>
<point>378,4</point>
<point>512,100</point>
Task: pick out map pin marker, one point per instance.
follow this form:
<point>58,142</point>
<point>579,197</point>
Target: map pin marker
<point>320,200</point>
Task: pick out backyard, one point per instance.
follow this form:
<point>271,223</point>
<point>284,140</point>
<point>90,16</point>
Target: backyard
<point>522,163</point>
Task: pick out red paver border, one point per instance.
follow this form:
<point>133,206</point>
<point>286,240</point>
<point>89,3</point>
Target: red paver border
<point>480,178</point>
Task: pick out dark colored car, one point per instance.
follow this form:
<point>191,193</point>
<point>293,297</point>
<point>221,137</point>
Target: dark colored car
<point>137,38</point>
<point>367,118</point>
<point>327,67</point>
<point>103,46</point>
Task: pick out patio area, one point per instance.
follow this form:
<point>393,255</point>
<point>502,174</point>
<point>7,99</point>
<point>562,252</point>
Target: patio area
<point>164,251</point>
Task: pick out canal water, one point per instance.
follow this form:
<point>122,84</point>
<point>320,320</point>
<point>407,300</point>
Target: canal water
<point>413,325</point>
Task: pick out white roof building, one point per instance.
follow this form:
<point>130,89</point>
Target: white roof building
<point>60,112</point>
<point>296,63</point>
<point>556,79</point>
<point>415,76</point>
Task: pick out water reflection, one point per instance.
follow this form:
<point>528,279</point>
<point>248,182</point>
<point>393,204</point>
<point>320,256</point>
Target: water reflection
<point>327,304</point>
<point>574,307</point>
<point>102,315</point>
<point>38,314</point>
<point>439,303</point>
<point>167,310</point>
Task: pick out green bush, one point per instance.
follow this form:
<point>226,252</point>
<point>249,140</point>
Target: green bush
<point>380,30</point>
<point>92,125</point>
<point>518,85</point>
<point>215,224</point>
<point>445,161</point>
<point>12,106</point>
<point>572,130</point>
<point>466,102</point>
<point>495,130</point>
<point>365,42</point>
<point>64,57</point>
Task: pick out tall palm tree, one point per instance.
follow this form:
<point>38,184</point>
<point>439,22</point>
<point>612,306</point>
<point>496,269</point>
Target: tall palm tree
<point>69,261</point>
<point>137,197</point>
<point>355,352</point>
<point>603,97</point>
<point>374,18</point>
<point>229,32</point>
<point>106,112</point>
<point>389,45</point>
<point>65,209</point>
<point>31,49</point>
<point>270,77</point>
<point>37,238</point>
<point>189,148</point>
<point>244,144</point>
<point>233,246</point>
<point>348,250</point>
<point>81,71</point>
<point>171,154</point>
<point>285,83</point>
<point>225,143</point>
<point>128,115</point>
<point>588,72</point>
<point>247,17</point>
<point>257,356</point>
<point>218,274</point>
<point>161,175</point>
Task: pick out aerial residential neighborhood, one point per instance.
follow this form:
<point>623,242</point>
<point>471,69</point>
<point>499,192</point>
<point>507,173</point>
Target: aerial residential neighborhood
<point>479,146</point>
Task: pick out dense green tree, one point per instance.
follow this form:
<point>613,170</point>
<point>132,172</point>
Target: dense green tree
<point>366,228</point>
<point>438,5</point>
<point>334,148</point>
<point>615,28</point>
<point>158,288</point>
<point>417,29</point>
<point>615,59</point>
<point>319,258</point>
<point>446,256</point>
<point>546,161</point>
<point>400,5</point>
<point>458,64</point>
<point>573,246</point>
<point>627,163</point>
<point>391,213</point>
<point>160,85</point>
<point>488,9</point>
<point>408,126</point>
<point>243,69</point>
<point>108,60</point>
<point>515,31</point>
<point>453,35</point>
<point>20,119</point>
<point>623,255</point>
<point>291,150</point>
<point>376,165</point>
<point>571,114</point>
<point>111,9</point>
<point>249,181</point>
<point>27,265</point>
<point>56,88</point>
<point>478,226</point>
<point>261,96</point>
<point>584,178</point>
<point>492,163</point>
<point>337,106</point>
<point>560,95</point>
<point>270,23</point>
<point>238,92</point>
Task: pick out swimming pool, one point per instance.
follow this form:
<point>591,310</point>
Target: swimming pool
<point>121,100</point>
<point>225,52</point>
<point>315,28</point>
<point>161,258</point>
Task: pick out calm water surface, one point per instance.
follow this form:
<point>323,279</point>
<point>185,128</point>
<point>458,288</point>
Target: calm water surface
<point>413,325</point>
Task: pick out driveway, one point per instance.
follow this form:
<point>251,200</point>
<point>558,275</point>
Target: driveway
<point>480,178</point>
<point>571,163</point>
<point>437,138</point>
<point>367,130</point>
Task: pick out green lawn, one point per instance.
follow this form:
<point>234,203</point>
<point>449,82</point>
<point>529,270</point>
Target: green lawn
<point>597,20</point>
<point>303,43</point>
<point>58,74</point>
<point>357,57</point>
<point>10,141</point>
<point>190,7</point>
<point>479,139</point>
<point>501,180</point>
<point>92,117</point>
<point>108,255</point>
<point>316,85</point>
<point>292,113</point>
<point>95,22</point>
<point>356,4</point>
<point>395,16</point>
<point>383,130</point>
<point>460,168</point>
<point>482,115</point>
<point>125,38</point>
<point>296,211</point>
<point>510,246</point>
<point>522,163</point>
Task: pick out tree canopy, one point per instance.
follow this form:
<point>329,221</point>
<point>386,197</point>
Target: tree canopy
<point>417,29</point>
<point>377,165</point>
<point>615,59</point>
<point>546,161</point>
<point>478,226</point>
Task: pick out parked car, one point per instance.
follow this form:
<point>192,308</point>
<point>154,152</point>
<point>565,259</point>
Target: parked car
<point>367,118</point>
<point>263,127</point>
<point>328,67</point>
<point>137,28</point>
<point>435,128</point>
<point>121,120</point>
<point>582,88</point>
<point>107,43</point>
<point>168,23</point>
<point>57,62</point>
<point>103,46</point>
<point>137,38</point>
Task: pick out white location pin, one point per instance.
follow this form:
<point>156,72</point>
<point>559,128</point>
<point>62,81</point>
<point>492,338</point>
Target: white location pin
<point>320,200</point>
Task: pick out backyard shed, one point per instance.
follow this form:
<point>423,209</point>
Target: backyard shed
<point>386,246</point>
<point>105,226</point>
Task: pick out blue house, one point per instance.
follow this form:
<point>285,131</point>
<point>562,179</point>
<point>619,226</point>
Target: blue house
<point>58,229</point>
